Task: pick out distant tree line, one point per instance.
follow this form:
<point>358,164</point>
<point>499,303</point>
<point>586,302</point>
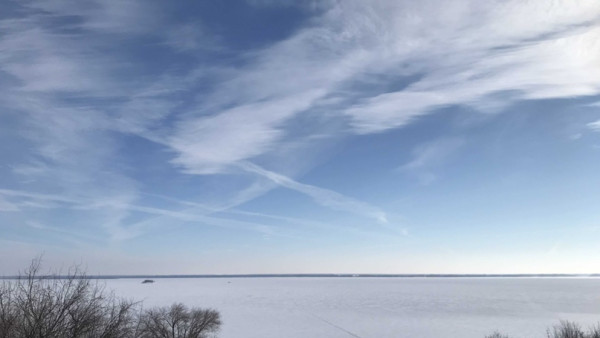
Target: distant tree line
<point>74,306</point>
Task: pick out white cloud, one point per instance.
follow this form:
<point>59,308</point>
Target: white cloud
<point>468,52</point>
<point>428,157</point>
<point>37,197</point>
<point>198,213</point>
<point>325,197</point>
<point>208,145</point>
<point>594,125</point>
<point>433,153</point>
<point>486,55</point>
<point>65,84</point>
<point>246,115</point>
<point>301,222</point>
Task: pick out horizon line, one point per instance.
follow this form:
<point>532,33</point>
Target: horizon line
<point>317,275</point>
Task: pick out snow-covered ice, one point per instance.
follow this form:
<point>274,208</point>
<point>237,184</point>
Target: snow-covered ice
<point>378,307</point>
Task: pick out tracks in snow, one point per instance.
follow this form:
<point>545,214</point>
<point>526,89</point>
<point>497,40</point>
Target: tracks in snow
<point>336,326</point>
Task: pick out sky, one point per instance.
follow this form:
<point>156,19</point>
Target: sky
<point>263,136</point>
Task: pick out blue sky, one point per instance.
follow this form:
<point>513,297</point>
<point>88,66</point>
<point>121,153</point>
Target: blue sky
<point>301,136</point>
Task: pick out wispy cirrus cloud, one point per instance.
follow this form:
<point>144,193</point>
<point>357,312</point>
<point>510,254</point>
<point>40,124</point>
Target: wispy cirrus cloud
<point>594,125</point>
<point>79,81</point>
<point>325,197</point>
<point>13,200</point>
<point>207,145</point>
<point>428,157</point>
<point>515,53</point>
<point>71,92</point>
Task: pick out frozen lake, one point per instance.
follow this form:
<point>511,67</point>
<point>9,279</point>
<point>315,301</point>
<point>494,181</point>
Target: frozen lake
<point>378,307</point>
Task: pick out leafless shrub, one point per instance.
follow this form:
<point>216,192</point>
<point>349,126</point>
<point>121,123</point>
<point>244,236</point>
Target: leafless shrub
<point>179,322</point>
<point>594,332</point>
<point>566,329</point>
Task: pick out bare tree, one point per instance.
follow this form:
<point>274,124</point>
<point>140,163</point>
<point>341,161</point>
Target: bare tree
<point>36,306</point>
<point>177,321</point>
<point>8,313</point>
<point>566,329</point>
<point>74,306</point>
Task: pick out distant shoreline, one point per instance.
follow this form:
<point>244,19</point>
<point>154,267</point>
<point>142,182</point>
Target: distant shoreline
<point>594,275</point>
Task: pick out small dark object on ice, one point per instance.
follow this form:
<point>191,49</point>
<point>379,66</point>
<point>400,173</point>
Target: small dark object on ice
<point>146,281</point>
